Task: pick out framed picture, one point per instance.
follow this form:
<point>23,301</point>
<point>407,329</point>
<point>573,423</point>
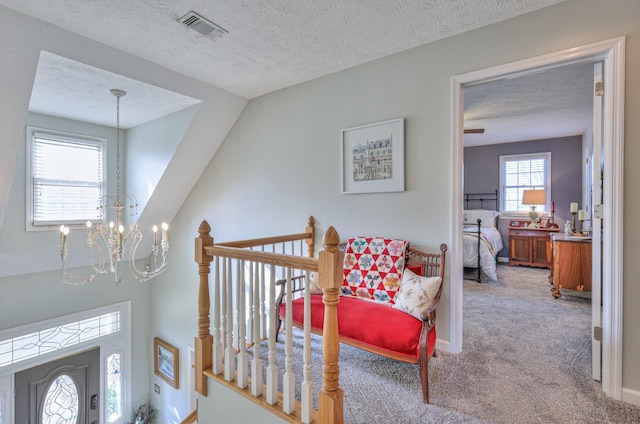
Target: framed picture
<point>544,222</point>
<point>373,157</point>
<point>165,362</point>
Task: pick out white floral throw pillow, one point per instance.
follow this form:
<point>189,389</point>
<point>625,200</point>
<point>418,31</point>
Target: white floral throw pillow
<point>416,292</point>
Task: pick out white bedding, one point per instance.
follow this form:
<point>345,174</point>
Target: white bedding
<point>490,245</point>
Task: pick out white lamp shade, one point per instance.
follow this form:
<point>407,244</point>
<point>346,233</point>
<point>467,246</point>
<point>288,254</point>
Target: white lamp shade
<point>534,197</point>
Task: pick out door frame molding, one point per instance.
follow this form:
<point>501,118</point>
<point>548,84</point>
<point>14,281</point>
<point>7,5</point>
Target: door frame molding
<point>611,52</point>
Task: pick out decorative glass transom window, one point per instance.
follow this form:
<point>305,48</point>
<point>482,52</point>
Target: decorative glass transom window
<point>22,347</point>
<point>65,175</point>
<point>524,172</point>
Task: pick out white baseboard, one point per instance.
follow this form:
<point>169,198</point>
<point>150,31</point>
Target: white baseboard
<point>443,345</point>
<point>503,259</point>
<point>631,396</point>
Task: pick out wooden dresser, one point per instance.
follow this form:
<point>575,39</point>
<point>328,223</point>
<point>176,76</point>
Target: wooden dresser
<point>530,246</point>
<point>571,266</point>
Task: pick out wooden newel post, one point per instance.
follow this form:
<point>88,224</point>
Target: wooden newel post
<point>330,398</point>
<point>204,341</point>
<point>310,229</point>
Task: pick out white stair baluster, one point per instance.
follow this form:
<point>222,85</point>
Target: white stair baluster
<point>272,369</point>
<point>288,383</point>
<point>263,303</point>
<point>251,307</point>
<point>242,379</point>
<point>217,315</point>
<point>256,363</point>
<point>307,383</point>
<point>230,355</point>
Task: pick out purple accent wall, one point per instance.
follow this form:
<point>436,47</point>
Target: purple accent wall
<point>482,173</point>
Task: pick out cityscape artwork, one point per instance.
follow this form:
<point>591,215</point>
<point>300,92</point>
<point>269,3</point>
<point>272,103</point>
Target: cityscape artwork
<point>373,157</point>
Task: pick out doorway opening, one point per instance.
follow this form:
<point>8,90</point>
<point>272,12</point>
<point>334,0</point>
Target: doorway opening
<point>611,53</point>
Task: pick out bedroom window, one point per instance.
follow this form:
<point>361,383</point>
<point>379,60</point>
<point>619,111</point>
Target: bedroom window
<point>66,178</point>
<point>524,172</point>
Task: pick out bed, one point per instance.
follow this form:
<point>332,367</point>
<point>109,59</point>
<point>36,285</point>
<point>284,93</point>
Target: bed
<point>481,240</point>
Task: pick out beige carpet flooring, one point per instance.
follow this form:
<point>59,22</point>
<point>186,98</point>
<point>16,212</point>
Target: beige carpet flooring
<point>526,359</point>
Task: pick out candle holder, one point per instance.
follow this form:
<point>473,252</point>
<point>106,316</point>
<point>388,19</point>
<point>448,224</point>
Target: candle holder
<point>573,221</point>
<point>551,220</point>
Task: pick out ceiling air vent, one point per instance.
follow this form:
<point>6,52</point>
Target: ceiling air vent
<point>204,26</point>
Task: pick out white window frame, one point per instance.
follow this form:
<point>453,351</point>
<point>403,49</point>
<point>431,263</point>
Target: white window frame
<point>547,184</point>
<point>119,342</point>
<point>30,182</point>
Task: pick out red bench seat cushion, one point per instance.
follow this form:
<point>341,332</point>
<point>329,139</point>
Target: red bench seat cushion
<point>380,326</point>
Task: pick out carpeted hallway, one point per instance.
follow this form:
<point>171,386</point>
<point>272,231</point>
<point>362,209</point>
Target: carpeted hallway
<point>526,359</point>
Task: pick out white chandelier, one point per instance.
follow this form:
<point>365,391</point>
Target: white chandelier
<point>112,237</point>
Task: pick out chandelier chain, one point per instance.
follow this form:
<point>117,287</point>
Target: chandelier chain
<point>118,150</point>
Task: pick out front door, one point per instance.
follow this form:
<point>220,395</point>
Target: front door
<point>64,391</point>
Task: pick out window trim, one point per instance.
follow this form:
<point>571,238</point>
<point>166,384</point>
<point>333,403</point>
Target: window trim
<point>547,185</point>
<point>62,136</point>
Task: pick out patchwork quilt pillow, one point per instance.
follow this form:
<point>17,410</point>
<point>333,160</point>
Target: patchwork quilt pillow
<point>416,293</point>
<point>373,268</point>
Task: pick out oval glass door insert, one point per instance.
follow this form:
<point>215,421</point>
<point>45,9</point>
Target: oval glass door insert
<point>61,402</point>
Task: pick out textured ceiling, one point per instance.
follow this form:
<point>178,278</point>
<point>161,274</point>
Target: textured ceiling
<point>66,88</point>
<point>555,103</point>
<point>272,44</point>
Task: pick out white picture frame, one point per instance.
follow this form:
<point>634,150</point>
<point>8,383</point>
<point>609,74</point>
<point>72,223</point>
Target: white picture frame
<point>373,157</point>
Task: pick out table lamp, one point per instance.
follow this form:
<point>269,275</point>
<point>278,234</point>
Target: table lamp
<point>534,198</point>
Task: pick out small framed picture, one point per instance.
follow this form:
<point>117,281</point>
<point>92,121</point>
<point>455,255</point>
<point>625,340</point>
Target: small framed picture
<point>544,222</point>
<point>373,157</point>
<point>514,224</point>
<point>165,362</point>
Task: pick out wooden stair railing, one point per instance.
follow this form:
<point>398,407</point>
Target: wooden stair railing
<point>191,418</point>
<point>209,349</point>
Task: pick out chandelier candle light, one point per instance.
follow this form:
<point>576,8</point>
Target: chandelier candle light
<point>112,237</point>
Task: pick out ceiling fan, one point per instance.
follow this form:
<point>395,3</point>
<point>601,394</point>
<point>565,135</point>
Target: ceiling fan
<point>474,131</point>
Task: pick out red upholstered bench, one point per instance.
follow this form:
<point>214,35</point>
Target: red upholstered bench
<point>404,325</point>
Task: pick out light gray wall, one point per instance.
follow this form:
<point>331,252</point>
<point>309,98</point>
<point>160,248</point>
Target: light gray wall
<point>30,285</point>
<point>482,173</point>
<point>281,162</point>
<point>149,149</point>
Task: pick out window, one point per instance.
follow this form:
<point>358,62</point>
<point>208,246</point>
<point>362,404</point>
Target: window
<point>523,172</point>
<point>114,387</point>
<point>45,340</point>
<point>62,402</point>
<point>66,178</point>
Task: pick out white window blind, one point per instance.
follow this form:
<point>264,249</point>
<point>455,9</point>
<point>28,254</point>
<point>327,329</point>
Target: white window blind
<point>66,178</point>
<point>523,172</point>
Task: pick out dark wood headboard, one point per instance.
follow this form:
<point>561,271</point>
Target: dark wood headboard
<point>487,200</point>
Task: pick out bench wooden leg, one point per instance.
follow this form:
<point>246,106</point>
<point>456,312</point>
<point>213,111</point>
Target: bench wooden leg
<point>278,326</point>
<point>424,378</point>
